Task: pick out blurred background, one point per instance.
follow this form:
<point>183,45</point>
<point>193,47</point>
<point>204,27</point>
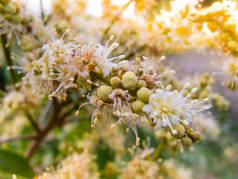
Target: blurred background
<point>211,157</point>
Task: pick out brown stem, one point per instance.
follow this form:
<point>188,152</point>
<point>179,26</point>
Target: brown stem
<point>44,112</point>
<point>55,119</point>
<point>33,122</point>
<point>52,122</point>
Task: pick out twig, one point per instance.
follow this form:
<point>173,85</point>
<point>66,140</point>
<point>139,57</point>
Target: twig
<point>42,12</point>
<point>157,151</point>
<point>23,137</point>
<point>52,122</point>
<point>44,112</point>
<point>33,122</point>
<point>7,57</point>
<point>55,119</point>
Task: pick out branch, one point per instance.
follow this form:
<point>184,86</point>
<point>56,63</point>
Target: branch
<point>52,122</point>
<point>44,112</point>
<point>33,122</point>
<point>23,137</point>
<point>7,57</point>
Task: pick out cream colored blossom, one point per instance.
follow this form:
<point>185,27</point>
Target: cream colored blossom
<point>206,124</point>
<point>66,65</point>
<point>74,167</point>
<point>114,137</point>
<point>171,107</point>
<point>12,127</point>
<point>140,168</point>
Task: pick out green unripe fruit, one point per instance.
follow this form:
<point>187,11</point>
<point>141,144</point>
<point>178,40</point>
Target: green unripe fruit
<point>187,142</point>
<point>141,83</point>
<point>180,131</point>
<point>144,94</point>
<point>137,106</point>
<point>115,82</point>
<point>103,92</point>
<point>129,80</point>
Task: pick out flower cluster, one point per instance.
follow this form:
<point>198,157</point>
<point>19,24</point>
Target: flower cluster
<point>65,65</point>
<point>74,166</point>
<point>187,25</point>
<point>13,18</point>
<point>17,106</point>
<point>130,89</point>
<point>78,76</point>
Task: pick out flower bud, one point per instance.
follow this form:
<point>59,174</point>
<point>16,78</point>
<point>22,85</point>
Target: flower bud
<point>231,85</point>
<point>129,80</point>
<point>206,79</point>
<point>137,106</point>
<point>186,141</point>
<point>196,136</point>
<point>15,19</point>
<point>141,83</point>
<point>11,8</point>
<point>204,93</point>
<point>115,82</point>
<point>144,94</point>
<point>103,92</point>
<point>61,27</point>
<point>180,131</point>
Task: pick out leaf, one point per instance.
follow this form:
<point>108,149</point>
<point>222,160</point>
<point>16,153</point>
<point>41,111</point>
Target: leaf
<point>9,176</point>
<point>13,163</point>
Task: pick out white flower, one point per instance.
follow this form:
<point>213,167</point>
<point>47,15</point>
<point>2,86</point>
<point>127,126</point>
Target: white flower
<point>105,63</point>
<point>171,107</point>
<point>102,54</point>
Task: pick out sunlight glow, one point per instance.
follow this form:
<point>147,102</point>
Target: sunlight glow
<point>129,11</point>
<point>119,2</point>
<point>94,8</point>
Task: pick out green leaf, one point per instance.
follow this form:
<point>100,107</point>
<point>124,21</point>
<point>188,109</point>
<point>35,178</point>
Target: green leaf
<point>13,163</point>
<point>9,176</point>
